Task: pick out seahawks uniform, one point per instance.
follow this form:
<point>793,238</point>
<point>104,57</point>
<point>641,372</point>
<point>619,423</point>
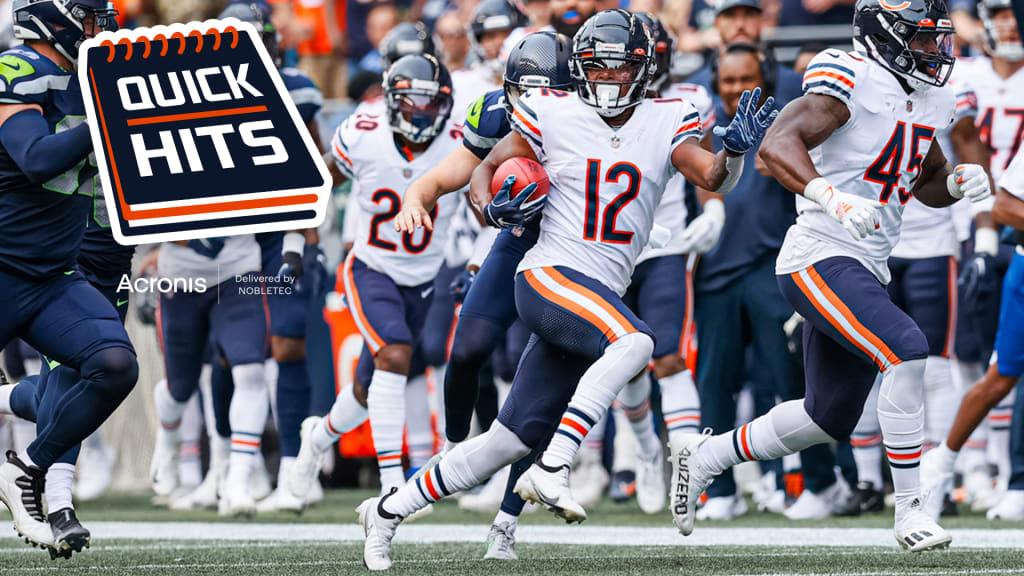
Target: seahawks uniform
<point>854,329</point>
<point>48,301</point>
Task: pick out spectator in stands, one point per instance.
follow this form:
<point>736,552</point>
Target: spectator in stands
<point>740,21</point>
<point>379,22</point>
<point>450,36</point>
<point>816,12</point>
<point>693,22</point>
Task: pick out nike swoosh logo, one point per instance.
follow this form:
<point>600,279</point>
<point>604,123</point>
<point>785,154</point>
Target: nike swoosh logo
<point>12,67</point>
<point>426,292</point>
<point>121,303</point>
<point>836,56</point>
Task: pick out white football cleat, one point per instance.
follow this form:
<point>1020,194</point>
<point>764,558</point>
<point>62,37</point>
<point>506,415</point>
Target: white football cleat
<point>489,498</point>
<point>1010,507</point>
<point>501,542</point>
<point>811,506</point>
<point>205,496</point>
<point>550,487</point>
<point>260,486</point>
<point>236,501</point>
<point>935,484</point>
<point>280,500</point>
<point>163,470</point>
<point>307,464</point>
<point>687,482</point>
<point>650,483</point>
<point>379,527</point>
<point>316,493</point>
<point>589,478</point>
<point>21,489</point>
<point>722,508</point>
<point>916,532</point>
<point>980,488</point>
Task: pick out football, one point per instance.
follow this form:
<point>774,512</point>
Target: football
<point>526,172</point>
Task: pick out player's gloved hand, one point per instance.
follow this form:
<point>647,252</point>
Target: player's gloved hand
<point>292,248</point>
<point>461,285</point>
<point>969,181</point>
<point>859,216</point>
<point>748,124</point>
<point>702,234</point>
<point>209,247</point>
<point>507,212</point>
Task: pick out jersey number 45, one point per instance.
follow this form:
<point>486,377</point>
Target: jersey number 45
<point>886,168</point>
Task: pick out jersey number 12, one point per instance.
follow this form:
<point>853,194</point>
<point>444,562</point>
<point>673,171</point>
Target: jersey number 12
<point>606,223</point>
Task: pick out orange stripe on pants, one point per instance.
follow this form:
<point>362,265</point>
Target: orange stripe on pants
<point>569,305</point>
<point>352,294</point>
<point>593,297</point>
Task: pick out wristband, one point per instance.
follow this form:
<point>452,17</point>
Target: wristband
<point>819,191</point>
<point>293,242</point>
<point>986,241</point>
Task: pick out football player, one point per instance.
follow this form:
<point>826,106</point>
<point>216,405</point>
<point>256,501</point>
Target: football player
<point>568,285</point>
<point>43,211</point>
<point>388,276</point>
<point>489,27</point>
<point>1000,120</point>
<point>856,147</point>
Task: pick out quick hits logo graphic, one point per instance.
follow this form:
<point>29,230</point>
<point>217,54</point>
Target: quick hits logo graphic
<point>196,136</point>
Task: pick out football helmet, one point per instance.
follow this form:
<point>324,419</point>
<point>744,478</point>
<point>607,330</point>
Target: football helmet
<point>418,93</point>
<point>539,60</point>
<point>612,62</point>
<point>664,48</point>
<point>490,16</point>
<point>404,39</point>
<point>257,14</point>
<point>912,38</point>
<point>63,23</point>
<point>994,35</point>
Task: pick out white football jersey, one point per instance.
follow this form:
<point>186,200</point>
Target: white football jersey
<point>240,255</point>
<point>605,183</point>
<point>929,232</point>
<point>468,84</point>
<point>671,213</point>
<point>1000,117</point>
<point>1012,179</point>
<point>366,153</point>
<point>877,155</point>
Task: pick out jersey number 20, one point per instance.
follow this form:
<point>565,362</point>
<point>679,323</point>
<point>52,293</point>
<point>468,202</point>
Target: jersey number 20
<point>408,242</point>
<point>886,168</point>
<point>606,223</point>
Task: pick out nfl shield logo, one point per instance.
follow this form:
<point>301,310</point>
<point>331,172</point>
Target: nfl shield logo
<point>910,105</point>
<point>407,173</point>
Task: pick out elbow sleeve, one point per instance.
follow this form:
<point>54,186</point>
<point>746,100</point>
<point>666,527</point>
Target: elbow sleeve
<point>41,155</point>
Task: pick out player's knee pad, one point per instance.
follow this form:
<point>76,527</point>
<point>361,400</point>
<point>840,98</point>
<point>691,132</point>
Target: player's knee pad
<point>113,371</point>
<point>635,351</point>
<point>902,390</point>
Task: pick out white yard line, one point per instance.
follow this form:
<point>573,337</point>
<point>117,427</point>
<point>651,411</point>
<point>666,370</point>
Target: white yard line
<point>579,535</point>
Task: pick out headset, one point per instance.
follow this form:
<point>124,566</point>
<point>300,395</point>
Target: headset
<point>769,69</point>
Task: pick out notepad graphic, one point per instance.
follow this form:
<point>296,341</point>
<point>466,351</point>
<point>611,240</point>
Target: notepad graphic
<point>195,135</point>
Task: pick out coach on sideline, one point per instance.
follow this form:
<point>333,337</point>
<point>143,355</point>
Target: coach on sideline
<point>737,300</point>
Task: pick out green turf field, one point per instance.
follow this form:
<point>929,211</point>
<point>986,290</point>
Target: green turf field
<point>615,540</point>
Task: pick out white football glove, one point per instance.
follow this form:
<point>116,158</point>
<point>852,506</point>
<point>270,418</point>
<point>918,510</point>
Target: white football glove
<point>969,181</point>
<point>702,234</point>
<point>859,216</point>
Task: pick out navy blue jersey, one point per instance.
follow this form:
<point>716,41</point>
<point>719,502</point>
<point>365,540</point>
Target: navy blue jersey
<point>42,224</point>
<point>308,100</point>
<point>101,259</point>
<point>486,123</point>
<point>306,96</point>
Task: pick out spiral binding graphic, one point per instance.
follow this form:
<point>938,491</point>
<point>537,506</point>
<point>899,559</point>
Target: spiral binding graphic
<point>165,42</point>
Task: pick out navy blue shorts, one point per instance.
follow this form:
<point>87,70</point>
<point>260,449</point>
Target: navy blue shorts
<point>852,331</point>
<point>1010,337</point>
<point>493,294</point>
<point>288,302</point>
<point>384,312</point>
<point>573,311</point>
<point>659,294</point>
<point>925,289</point>
<point>232,316</point>
<point>64,317</point>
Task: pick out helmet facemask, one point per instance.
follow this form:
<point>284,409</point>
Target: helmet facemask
<point>611,82</point>
<point>418,109</point>
<point>921,54</point>
<point>1001,36</point>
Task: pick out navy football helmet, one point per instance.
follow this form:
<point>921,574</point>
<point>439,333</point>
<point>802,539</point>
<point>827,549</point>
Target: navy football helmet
<point>539,60</point>
<point>405,39</point>
<point>490,16</point>
<point>912,38</point>
<point>617,49</point>
<point>64,24</point>
<point>664,47</point>
<point>418,92</point>
<point>257,14</point>
<point>996,39</point>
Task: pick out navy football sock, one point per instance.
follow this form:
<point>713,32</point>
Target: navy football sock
<point>293,393</point>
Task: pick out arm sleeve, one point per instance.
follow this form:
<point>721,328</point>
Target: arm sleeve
<point>38,153</point>
<point>831,73</point>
